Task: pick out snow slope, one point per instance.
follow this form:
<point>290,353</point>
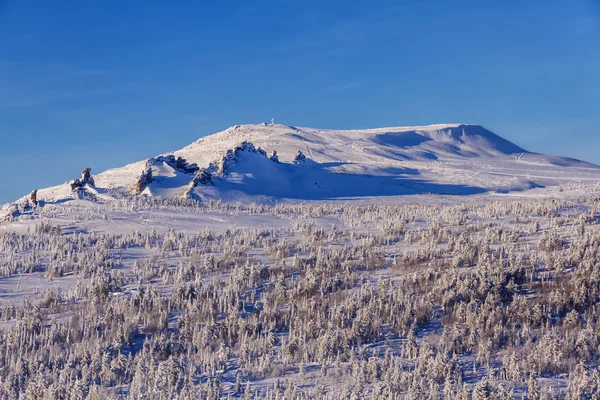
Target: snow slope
<point>343,164</point>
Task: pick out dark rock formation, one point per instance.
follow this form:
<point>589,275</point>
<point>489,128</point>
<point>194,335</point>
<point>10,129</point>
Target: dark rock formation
<point>33,198</point>
<point>86,179</point>
<point>86,176</point>
<point>179,163</point>
<point>144,180</point>
<point>231,155</point>
<point>217,169</point>
<point>300,158</point>
<point>76,184</point>
<point>274,157</point>
<point>203,177</point>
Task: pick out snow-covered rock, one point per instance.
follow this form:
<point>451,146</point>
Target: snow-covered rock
<point>144,180</point>
<point>86,176</point>
<point>179,163</point>
<point>300,158</point>
<point>274,157</point>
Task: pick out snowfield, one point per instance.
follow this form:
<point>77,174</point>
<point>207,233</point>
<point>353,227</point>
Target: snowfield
<point>438,262</point>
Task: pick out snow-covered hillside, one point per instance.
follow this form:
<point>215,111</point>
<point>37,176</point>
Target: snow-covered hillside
<point>437,159</point>
<point>121,285</point>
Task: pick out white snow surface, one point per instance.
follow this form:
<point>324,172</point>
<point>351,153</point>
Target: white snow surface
<point>456,159</point>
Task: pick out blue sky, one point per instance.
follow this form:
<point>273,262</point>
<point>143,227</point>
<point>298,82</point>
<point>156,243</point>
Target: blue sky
<point>106,83</point>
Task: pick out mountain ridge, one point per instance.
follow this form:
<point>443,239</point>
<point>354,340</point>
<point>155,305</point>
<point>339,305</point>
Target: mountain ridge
<point>343,164</point>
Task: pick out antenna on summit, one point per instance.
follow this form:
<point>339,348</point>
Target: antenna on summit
<point>272,121</point>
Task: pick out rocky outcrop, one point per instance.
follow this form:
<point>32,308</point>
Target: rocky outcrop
<point>205,176</point>
<point>231,155</point>
<point>300,158</point>
<point>86,179</point>
<point>144,180</point>
<point>76,185</point>
<point>33,198</point>
<point>218,169</point>
<point>179,163</point>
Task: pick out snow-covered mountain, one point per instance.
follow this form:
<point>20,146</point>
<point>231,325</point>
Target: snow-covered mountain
<point>237,164</point>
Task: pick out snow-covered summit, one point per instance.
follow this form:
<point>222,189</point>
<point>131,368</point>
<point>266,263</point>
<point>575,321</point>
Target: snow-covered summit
<point>416,142</point>
<point>236,164</point>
